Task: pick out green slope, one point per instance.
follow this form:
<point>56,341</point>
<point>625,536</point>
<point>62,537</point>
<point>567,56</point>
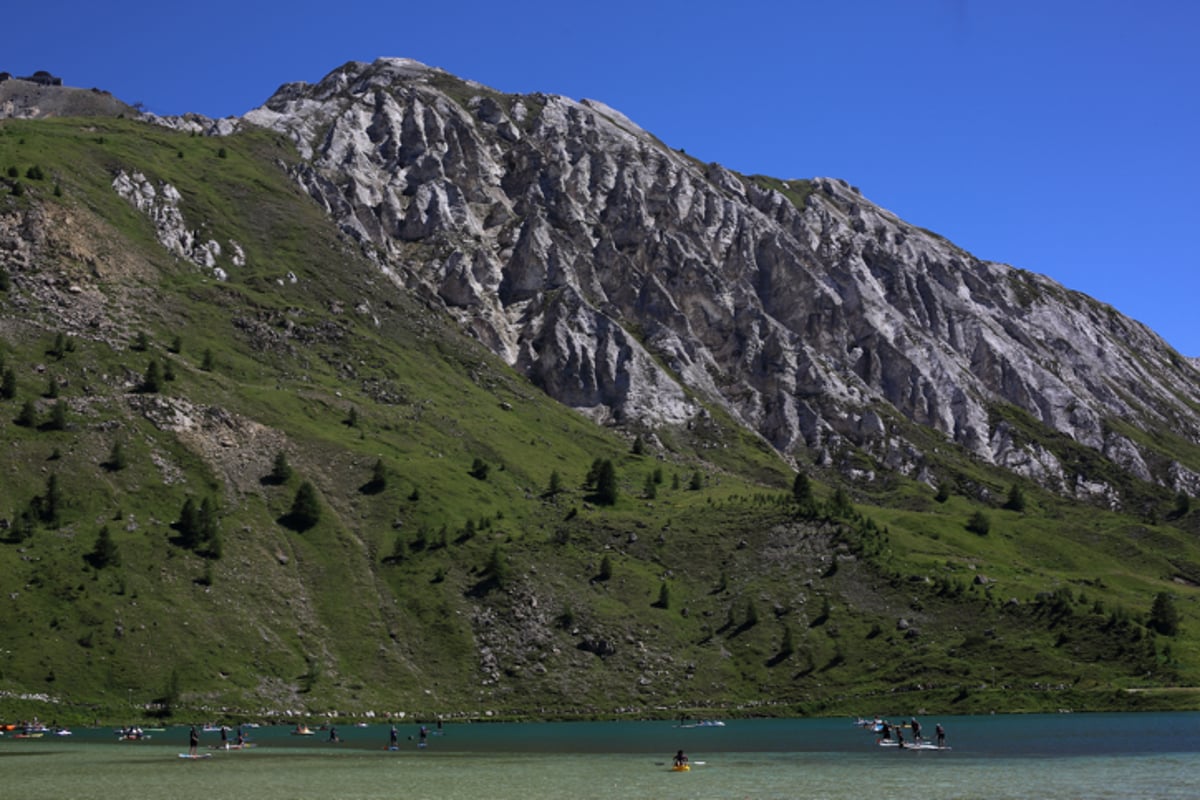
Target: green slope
<point>435,590</point>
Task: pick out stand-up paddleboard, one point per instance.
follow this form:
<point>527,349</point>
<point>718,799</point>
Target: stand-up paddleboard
<point>197,755</point>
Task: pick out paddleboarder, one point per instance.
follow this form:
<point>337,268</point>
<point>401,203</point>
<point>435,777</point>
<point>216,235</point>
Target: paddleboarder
<point>193,741</point>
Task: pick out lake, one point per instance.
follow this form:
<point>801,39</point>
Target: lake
<point>1063,756</point>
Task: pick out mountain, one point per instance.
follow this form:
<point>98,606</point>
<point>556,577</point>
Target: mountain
<point>625,279</point>
<point>400,393</point>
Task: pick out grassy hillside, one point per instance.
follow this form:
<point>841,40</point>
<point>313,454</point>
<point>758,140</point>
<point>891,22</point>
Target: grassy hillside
<point>454,561</point>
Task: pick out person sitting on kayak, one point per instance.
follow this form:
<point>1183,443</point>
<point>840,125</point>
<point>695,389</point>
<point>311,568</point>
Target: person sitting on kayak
<point>680,759</point>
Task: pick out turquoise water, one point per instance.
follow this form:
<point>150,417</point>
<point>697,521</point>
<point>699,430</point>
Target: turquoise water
<point>1154,756</point>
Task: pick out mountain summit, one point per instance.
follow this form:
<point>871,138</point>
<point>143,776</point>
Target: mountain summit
<point>630,281</point>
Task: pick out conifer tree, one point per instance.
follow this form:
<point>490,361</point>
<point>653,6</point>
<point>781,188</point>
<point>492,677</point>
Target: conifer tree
<point>497,568</point>
<point>8,385</point>
<point>50,503</point>
<point>306,508</point>
<point>1164,616</point>
<point>802,489</point>
<point>116,458</point>
<point>606,484</point>
<point>1016,499</point>
<point>152,381</point>
<point>188,524</point>
<point>281,470</point>
<point>27,416</point>
<point>58,417</point>
<point>104,551</point>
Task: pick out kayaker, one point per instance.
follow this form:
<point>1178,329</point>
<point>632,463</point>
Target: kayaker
<point>680,759</point>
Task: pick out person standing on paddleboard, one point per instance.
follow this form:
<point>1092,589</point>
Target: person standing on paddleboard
<point>193,741</point>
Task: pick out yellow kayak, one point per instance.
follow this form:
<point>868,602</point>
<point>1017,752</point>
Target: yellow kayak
<point>681,768</point>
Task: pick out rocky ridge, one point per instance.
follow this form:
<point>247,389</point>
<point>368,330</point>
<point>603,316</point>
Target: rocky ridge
<point>626,279</point>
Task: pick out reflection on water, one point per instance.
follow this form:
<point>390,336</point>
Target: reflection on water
<point>1155,756</point>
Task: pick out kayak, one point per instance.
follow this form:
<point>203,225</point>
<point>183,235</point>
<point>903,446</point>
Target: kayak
<point>681,768</point>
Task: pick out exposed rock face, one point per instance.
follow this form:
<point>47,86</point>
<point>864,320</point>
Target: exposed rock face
<point>34,98</point>
<point>616,272</point>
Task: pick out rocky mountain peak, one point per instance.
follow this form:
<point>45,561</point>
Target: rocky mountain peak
<point>636,284</point>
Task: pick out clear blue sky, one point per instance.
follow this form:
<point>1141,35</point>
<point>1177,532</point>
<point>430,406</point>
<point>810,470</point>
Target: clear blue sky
<point>1061,136</point>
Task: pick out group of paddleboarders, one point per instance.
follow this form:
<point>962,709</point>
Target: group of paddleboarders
<point>887,730</point>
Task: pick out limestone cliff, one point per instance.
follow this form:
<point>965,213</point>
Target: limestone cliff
<point>626,279</point>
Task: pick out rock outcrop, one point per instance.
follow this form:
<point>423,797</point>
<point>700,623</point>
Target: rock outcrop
<point>626,278</point>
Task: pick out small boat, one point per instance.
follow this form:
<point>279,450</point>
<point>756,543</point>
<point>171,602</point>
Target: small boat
<point>681,768</point>
<point>303,730</point>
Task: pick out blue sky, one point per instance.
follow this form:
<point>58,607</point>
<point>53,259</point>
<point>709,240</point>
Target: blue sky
<point>1059,136</point>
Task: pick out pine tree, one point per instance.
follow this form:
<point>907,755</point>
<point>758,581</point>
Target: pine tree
<point>306,508</point>
<point>116,458</point>
<point>555,483</point>
<point>497,568</point>
<point>606,484</point>
<point>650,489</point>
<point>697,481</point>
<point>664,596</point>
<point>802,489</point>
<point>27,416</point>
<point>58,417</point>
<point>1016,499</point>
<point>606,569</point>
<point>50,504</point>
<point>379,474</point>
<point>593,474</point>
<point>281,470</point>
<point>152,381</point>
<point>208,529</point>
<point>8,385</point>
<point>1164,616</point>
<point>104,551</point>
<point>788,646</point>
<point>188,524</point>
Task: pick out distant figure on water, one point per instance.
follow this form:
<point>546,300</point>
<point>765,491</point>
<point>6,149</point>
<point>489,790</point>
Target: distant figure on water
<point>392,741</point>
<point>193,741</point>
<point>681,760</point>
<point>916,729</point>
<point>333,734</point>
<point>941,734</point>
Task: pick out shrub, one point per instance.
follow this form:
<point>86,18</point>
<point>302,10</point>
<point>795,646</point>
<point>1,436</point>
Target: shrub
<point>979,523</point>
